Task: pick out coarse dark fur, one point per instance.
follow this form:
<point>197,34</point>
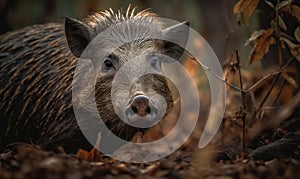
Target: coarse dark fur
<point>35,88</point>
<point>37,70</point>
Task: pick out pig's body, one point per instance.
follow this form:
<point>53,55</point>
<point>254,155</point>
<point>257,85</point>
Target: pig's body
<point>37,70</point>
<point>37,67</point>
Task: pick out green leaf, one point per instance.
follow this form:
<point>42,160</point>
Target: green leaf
<point>269,4</point>
<point>273,24</point>
<point>281,23</point>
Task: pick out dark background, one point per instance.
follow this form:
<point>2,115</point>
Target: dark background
<point>214,20</point>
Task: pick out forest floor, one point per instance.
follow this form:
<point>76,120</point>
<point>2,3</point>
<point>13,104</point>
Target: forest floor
<point>278,159</point>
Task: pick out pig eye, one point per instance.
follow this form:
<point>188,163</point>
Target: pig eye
<point>108,63</point>
<point>155,62</point>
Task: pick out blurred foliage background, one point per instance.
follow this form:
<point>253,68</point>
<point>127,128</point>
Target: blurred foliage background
<point>214,20</point>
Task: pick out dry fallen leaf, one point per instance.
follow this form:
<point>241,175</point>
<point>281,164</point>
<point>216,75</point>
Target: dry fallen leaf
<point>244,9</point>
<point>293,10</point>
<point>94,155</point>
<point>264,39</point>
<point>254,37</point>
<point>294,48</point>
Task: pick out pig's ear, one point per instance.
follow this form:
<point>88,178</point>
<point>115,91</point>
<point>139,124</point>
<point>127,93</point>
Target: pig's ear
<point>176,37</point>
<point>78,34</point>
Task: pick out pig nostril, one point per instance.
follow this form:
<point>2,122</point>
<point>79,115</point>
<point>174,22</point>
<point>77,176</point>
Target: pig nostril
<point>148,110</point>
<point>134,109</point>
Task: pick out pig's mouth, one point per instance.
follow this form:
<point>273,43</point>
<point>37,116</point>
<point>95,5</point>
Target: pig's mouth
<point>141,112</point>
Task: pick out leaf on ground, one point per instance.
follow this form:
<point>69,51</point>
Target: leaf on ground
<point>294,48</point>
<point>297,34</point>
<point>94,155</point>
<point>263,39</point>
<point>290,79</point>
<point>244,9</point>
<point>293,10</point>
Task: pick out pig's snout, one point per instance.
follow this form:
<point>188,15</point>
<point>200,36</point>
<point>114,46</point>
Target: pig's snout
<point>140,105</point>
<point>140,112</point>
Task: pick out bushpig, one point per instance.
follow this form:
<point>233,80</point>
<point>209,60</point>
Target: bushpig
<point>37,70</point>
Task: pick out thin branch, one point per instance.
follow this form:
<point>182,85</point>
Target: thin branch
<point>232,85</point>
<point>279,92</point>
<point>269,91</point>
<point>260,82</point>
<point>277,31</point>
<point>243,114</point>
<point>254,86</point>
<point>279,49</point>
<point>241,80</point>
<point>288,37</point>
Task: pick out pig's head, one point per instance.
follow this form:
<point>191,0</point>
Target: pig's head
<point>131,91</point>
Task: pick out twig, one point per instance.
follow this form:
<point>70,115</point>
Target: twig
<point>241,80</point>
<point>260,82</point>
<point>280,115</point>
<point>225,74</point>
<point>277,31</point>
<point>243,114</point>
<point>254,86</point>
<point>279,92</point>
<point>223,131</point>
<point>231,85</point>
<point>269,91</point>
<point>288,37</point>
<point>277,76</point>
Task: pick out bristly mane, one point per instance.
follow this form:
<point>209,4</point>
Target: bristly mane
<point>102,20</point>
<point>142,25</point>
